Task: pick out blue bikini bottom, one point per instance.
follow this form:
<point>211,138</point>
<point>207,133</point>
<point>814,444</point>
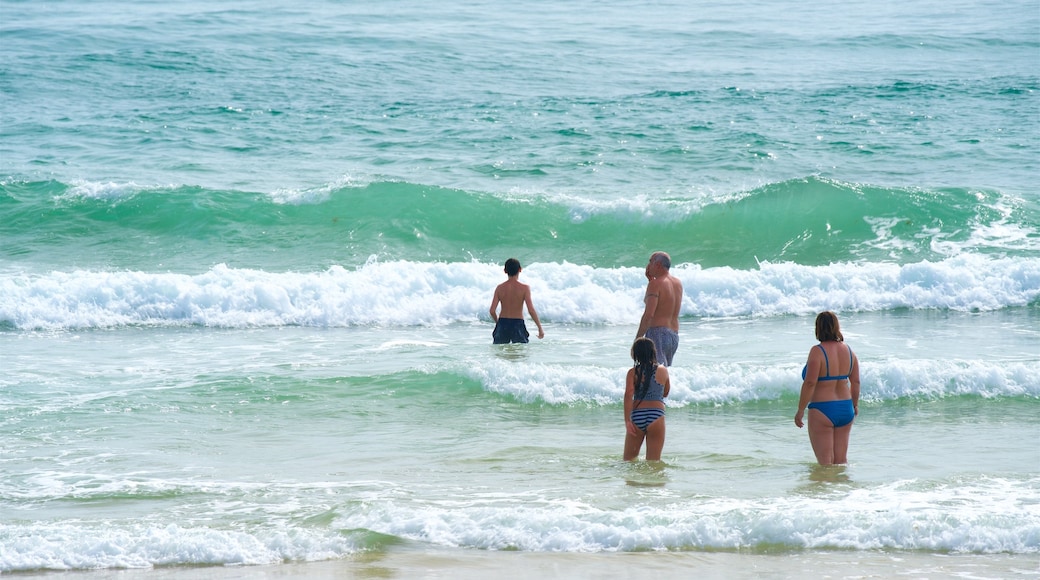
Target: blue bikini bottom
<point>840,413</point>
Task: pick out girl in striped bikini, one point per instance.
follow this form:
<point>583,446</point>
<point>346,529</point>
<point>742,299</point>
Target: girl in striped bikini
<point>646,386</point>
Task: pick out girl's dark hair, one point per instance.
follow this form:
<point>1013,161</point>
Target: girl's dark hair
<point>645,356</point>
<point>827,327</point>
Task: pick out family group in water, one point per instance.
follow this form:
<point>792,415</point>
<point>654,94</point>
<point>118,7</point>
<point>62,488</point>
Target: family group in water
<point>830,378</point>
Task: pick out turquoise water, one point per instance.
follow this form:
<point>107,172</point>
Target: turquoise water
<point>247,251</point>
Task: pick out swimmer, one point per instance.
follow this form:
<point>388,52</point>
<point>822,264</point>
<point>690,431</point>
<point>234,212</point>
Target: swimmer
<point>662,302</point>
<point>512,295</point>
<point>830,390</point>
<point>646,386</point>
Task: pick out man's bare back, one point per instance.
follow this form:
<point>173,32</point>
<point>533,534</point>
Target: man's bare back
<point>663,298</point>
<point>512,296</point>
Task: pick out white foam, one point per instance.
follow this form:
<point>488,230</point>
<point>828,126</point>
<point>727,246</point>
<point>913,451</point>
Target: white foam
<point>991,515</point>
<point>107,191</point>
<point>731,383</point>
<point>314,195</point>
<point>79,546</point>
<point>639,207</point>
<point>555,384</point>
<point>430,294</point>
<point>988,516</point>
<point>967,514</point>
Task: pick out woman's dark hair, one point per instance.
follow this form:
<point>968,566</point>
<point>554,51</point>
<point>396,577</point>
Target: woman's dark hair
<point>827,327</point>
<point>645,356</point>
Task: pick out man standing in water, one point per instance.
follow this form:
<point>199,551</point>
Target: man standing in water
<point>663,299</point>
<point>512,295</point>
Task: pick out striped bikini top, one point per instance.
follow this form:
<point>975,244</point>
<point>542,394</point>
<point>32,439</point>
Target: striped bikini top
<point>654,393</point>
<point>827,362</point>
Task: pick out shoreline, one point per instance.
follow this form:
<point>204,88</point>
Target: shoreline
<point>477,564</point>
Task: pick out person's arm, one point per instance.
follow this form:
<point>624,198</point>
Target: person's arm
<point>812,373</point>
<point>534,314</point>
<point>494,307</point>
<point>653,295</point>
<point>854,383</point>
<point>630,391</point>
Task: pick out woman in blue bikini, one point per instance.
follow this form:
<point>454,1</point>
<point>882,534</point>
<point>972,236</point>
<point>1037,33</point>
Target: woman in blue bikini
<point>830,391</point>
<point>646,386</point>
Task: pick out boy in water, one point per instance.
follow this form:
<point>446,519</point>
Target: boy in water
<point>512,295</point>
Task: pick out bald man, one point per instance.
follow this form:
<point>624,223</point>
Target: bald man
<point>663,300</point>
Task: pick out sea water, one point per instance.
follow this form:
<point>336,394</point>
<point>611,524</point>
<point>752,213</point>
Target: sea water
<point>247,252</point>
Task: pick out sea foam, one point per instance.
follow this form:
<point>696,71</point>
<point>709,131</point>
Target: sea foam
<point>987,515</point>
<point>735,383</point>
<point>430,294</point>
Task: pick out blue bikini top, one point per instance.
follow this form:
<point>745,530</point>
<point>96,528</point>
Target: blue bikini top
<point>827,362</point>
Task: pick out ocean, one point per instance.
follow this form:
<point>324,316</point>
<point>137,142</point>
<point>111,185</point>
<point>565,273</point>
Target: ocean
<point>247,251</point>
